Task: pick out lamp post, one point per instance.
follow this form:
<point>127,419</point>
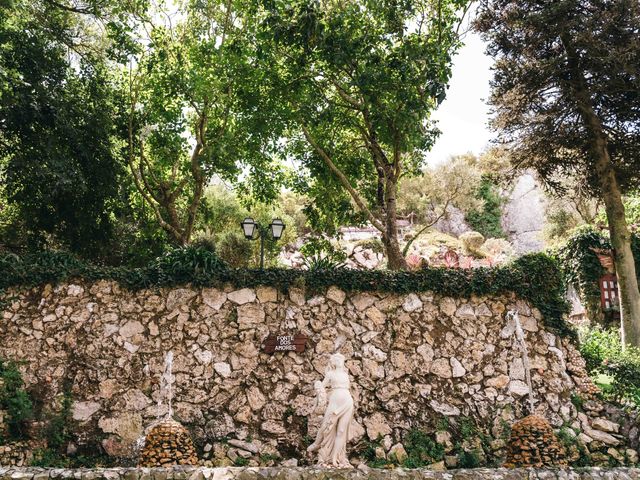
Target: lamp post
<point>250,226</point>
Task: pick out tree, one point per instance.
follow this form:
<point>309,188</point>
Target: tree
<point>179,113</point>
<point>354,84</point>
<point>431,196</point>
<point>59,157</point>
<point>566,92</point>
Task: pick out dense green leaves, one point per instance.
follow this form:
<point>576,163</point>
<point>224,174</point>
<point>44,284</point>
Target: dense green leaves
<point>59,157</point>
<point>487,219</point>
<point>605,355</point>
<point>356,83</point>
<point>14,399</point>
<point>539,111</point>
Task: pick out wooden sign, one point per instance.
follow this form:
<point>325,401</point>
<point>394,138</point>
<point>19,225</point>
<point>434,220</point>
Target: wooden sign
<point>284,343</point>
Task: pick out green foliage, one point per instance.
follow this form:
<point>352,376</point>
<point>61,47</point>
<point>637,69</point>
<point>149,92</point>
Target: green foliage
<point>577,401</point>
<point>488,219</point>
<point>268,457</point>
<point>569,440</point>
<point>331,76</point>
<point>566,50</point>
<point>49,458</point>
<point>631,211</point>
<point>234,249</point>
<point>319,254</point>
<point>534,277</point>
<point>470,459</point>
<point>58,431</point>
<point>14,399</point>
<point>581,266</point>
<point>241,462</point>
<point>604,355</point>
<point>60,164</point>
<point>442,425</point>
<point>421,449</point>
<point>468,429</point>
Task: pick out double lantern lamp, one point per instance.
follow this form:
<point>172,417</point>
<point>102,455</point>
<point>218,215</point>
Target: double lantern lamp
<point>250,226</point>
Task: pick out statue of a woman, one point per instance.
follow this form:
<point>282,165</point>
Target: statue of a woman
<point>333,434</point>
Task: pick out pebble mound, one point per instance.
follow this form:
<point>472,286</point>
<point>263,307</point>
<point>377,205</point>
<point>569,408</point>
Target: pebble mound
<point>168,443</point>
<point>533,444</point>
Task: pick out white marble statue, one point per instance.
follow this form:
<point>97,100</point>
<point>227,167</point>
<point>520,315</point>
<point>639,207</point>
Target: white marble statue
<point>333,434</point>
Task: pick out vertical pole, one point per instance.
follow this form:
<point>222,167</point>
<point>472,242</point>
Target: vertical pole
<point>261,249</point>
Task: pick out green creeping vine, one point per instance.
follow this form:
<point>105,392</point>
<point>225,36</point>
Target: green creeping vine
<point>581,265</point>
<point>535,277</point>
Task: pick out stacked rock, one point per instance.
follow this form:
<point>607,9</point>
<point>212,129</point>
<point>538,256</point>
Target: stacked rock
<point>168,443</point>
<point>533,444</point>
<point>576,365</point>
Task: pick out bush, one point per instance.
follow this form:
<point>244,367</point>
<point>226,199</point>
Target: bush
<point>15,400</point>
<point>421,449</point>
<point>319,254</point>
<point>488,219</point>
<point>470,459</point>
<point>234,249</point>
<point>604,355</point>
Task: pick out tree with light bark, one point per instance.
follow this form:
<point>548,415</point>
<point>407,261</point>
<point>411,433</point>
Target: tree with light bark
<point>185,110</point>
<point>566,93</point>
<point>356,83</point>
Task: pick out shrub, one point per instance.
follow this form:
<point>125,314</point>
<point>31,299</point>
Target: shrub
<point>604,355</point>
<point>206,241</point>
<point>14,399</point>
<point>234,249</point>
<point>488,219</point>
<point>320,254</point>
<point>470,459</point>
<point>58,428</point>
<point>421,449</point>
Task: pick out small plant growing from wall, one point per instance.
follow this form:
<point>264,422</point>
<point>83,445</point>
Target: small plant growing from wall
<point>15,400</point>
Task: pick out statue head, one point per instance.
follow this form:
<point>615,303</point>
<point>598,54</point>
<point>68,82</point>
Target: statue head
<point>336,362</point>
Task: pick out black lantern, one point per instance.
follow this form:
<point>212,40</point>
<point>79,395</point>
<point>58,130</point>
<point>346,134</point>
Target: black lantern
<point>277,227</point>
<point>249,227</point>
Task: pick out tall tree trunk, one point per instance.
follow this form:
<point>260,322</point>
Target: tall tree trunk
<point>395,258</point>
<point>612,197</point>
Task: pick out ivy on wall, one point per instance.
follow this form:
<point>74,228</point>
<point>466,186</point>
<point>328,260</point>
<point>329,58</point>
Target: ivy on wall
<point>535,277</point>
<point>582,268</point>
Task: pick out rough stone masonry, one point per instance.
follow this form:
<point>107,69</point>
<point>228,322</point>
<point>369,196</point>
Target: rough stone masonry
<point>414,359</point>
<point>182,473</point>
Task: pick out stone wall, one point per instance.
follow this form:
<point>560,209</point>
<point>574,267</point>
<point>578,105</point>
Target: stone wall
<point>317,474</point>
<point>414,360</point>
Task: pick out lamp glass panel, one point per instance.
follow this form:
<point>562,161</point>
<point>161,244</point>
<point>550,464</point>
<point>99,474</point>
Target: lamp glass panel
<point>277,227</point>
<point>248,227</point>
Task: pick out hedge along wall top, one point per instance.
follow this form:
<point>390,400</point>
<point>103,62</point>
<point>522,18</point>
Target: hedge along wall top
<point>534,277</point>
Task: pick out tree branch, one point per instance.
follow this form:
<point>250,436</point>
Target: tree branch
<point>343,179</point>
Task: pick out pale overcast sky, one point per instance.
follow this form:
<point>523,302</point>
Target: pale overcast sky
<point>463,115</point>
